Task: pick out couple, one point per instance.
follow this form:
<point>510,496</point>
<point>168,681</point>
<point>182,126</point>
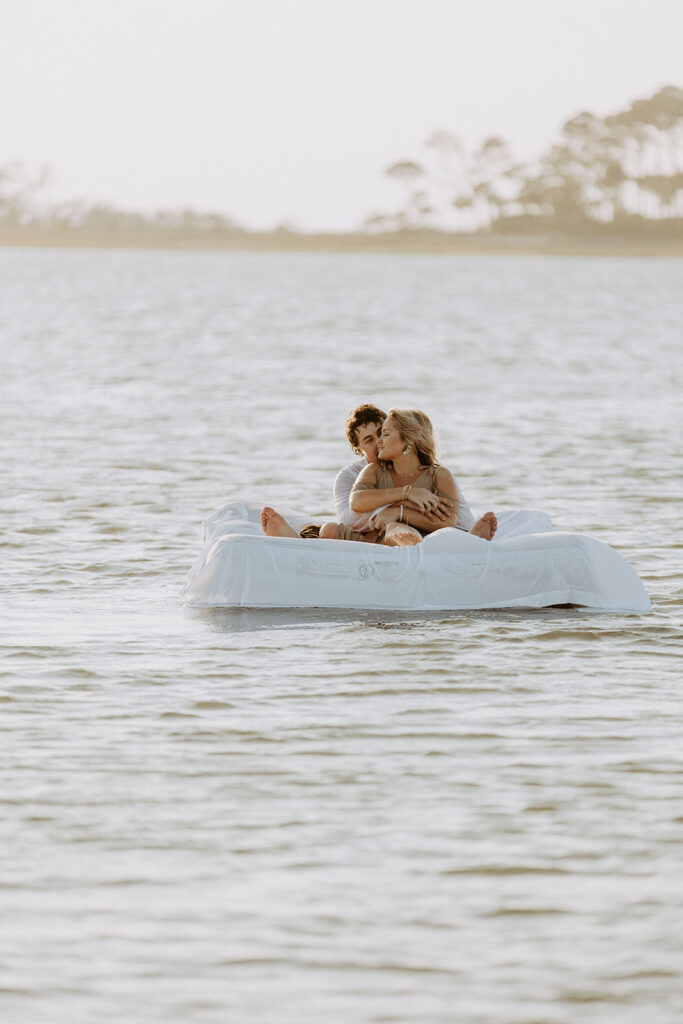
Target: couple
<point>398,493</point>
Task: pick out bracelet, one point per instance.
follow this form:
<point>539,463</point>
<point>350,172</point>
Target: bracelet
<point>400,518</point>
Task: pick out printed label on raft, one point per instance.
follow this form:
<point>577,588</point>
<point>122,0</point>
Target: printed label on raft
<point>386,572</point>
<point>325,568</point>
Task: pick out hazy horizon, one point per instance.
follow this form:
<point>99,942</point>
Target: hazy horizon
<point>290,111</point>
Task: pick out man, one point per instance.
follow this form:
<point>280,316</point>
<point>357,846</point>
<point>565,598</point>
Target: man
<point>363,428</point>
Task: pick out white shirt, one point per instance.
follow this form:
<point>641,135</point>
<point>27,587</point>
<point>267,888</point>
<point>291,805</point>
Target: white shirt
<point>343,485</point>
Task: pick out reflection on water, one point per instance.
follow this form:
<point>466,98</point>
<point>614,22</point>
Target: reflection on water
<point>306,816</point>
<point>250,620</point>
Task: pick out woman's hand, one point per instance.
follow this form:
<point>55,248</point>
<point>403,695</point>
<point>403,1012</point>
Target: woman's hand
<point>434,506</point>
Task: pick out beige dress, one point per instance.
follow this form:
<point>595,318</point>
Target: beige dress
<point>426,479</point>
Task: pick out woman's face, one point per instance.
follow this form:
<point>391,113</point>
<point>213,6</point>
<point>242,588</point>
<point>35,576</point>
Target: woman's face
<point>368,439</point>
<point>390,443</point>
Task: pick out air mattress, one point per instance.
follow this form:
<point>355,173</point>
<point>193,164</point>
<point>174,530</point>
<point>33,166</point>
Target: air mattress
<point>528,564</point>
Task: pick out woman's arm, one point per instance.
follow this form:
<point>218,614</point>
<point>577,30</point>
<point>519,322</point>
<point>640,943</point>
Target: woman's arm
<point>446,488</point>
<point>366,498</point>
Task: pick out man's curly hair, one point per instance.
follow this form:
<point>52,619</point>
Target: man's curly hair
<point>358,417</point>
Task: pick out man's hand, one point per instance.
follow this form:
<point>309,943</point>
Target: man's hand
<point>386,516</point>
<point>435,506</point>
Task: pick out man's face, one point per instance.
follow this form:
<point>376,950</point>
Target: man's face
<point>367,438</point>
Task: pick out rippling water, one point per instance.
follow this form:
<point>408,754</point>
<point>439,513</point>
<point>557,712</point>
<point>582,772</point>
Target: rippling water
<point>218,817</point>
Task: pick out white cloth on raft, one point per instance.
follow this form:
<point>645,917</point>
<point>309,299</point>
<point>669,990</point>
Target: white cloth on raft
<point>528,564</point>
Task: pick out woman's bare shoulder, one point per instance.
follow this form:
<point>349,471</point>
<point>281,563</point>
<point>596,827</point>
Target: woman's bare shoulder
<point>368,475</point>
<point>444,477</point>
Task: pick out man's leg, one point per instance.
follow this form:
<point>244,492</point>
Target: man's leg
<point>274,525</point>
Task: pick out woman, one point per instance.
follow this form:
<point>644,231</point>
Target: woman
<point>422,495</point>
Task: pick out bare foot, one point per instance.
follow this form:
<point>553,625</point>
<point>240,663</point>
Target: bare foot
<point>274,525</point>
<point>486,526</point>
<point>400,535</point>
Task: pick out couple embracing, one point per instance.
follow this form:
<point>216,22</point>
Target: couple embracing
<point>397,493</point>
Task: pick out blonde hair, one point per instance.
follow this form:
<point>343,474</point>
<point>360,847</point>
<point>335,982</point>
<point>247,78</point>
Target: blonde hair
<point>416,428</point>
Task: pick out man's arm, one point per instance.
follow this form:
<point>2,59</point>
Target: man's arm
<point>343,485</point>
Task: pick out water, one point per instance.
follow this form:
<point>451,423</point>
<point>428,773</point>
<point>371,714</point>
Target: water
<point>337,817</point>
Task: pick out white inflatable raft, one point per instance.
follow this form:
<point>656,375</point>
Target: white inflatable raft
<point>528,564</point>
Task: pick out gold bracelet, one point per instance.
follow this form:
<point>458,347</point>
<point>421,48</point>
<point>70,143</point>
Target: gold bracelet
<point>400,517</point>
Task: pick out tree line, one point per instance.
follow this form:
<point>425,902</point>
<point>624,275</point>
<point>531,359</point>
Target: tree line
<point>21,206</point>
<point>622,173</point>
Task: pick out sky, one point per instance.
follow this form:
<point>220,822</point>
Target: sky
<point>289,111</point>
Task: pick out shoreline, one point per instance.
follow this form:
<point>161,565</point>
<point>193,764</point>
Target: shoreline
<point>418,242</point>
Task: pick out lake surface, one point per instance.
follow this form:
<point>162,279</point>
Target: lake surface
<point>340,818</point>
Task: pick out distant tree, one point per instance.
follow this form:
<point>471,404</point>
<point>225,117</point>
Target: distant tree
<point>286,227</point>
<point>597,172</point>
<point>491,174</point>
<point>19,206</point>
<point>646,140</point>
<point>667,190</point>
<point>448,176</point>
<point>465,203</point>
<point>408,173</point>
<point>18,191</point>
